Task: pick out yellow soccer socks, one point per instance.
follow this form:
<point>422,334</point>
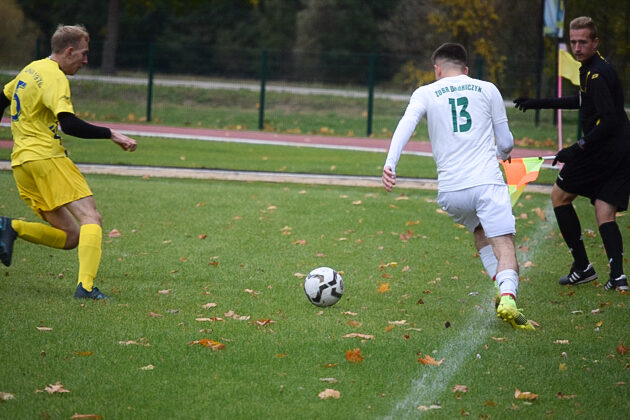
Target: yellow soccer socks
<point>90,240</point>
<point>39,233</point>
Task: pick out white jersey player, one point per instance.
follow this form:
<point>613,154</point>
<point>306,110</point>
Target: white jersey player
<point>468,129</point>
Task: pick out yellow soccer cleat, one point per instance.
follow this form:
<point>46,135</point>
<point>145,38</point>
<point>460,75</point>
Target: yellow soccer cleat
<point>508,312</point>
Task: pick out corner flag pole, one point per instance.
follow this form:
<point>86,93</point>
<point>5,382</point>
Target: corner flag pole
<point>561,46</point>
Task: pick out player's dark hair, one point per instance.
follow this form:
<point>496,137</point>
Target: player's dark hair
<point>584,22</point>
<point>451,51</point>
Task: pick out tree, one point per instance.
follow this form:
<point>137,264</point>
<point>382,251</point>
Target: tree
<point>330,34</point>
<point>18,36</point>
<point>108,62</point>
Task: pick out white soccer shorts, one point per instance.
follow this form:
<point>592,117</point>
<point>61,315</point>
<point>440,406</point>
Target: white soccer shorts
<point>488,205</point>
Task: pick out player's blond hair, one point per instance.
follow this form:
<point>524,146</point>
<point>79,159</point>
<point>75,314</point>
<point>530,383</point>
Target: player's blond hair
<point>584,22</point>
<point>68,36</point>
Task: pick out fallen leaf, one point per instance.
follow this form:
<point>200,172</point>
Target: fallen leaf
<point>359,335</point>
<point>561,342</point>
<point>147,367</point>
<point>406,236</point>
<point>214,263</point>
<point>214,345</point>
<point>431,407</point>
<point>562,367</point>
<point>251,292</point>
<point>211,319</point>
<point>54,389</point>
<point>499,338</point>
<point>389,328</point>
<point>202,236</point>
<point>542,215</point>
<point>280,355</point>
<point>299,242</point>
<point>164,292</point>
<point>428,360</point>
<point>562,396</point>
<point>82,353</point>
<point>141,342</point>
<point>86,416</point>
<point>263,322</point>
<point>44,328</point>
<point>621,349</point>
<point>401,322</point>
<point>329,365</point>
<point>233,315</point>
<point>354,356</point>
<point>384,287</point>
<point>350,313</point>
<point>209,305</point>
<point>530,396</point>
<point>114,233</point>
<point>154,315</point>
<point>329,393</point>
<point>5,396</point>
<point>299,275</point>
<point>329,380</point>
<point>354,323</point>
<point>460,388</point>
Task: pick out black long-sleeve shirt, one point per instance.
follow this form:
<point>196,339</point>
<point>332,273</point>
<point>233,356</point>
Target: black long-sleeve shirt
<point>70,124</point>
<point>600,100</point>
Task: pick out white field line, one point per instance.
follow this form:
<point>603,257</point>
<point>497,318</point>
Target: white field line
<point>430,387</point>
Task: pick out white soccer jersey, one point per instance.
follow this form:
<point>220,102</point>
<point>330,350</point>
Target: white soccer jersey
<point>460,112</point>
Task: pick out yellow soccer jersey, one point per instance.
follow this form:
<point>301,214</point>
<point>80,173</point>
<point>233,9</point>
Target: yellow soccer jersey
<point>38,94</point>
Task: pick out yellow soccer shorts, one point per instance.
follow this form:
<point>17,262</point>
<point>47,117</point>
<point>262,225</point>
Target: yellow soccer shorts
<point>48,184</point>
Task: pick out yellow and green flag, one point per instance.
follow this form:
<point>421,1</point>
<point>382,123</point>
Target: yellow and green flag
<point>519,173</point>
<point>568,67</point>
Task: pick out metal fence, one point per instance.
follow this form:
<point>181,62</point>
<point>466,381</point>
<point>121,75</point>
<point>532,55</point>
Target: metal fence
<point>340,74</point>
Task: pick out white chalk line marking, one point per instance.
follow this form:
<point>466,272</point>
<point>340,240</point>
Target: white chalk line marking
<point>431,386</point>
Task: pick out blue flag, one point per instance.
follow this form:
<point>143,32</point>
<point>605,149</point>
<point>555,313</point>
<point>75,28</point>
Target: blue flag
<point>554,18</point>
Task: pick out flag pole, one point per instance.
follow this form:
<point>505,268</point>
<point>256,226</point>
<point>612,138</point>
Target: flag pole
<point>561,46</point>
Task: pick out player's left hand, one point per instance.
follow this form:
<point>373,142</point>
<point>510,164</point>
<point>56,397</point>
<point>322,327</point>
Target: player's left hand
<point>389,178</point>
<point>567,154</point>
<point>126,143</point>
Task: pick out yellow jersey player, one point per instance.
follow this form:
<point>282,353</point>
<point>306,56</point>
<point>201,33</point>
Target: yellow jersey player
<point>47,180</point>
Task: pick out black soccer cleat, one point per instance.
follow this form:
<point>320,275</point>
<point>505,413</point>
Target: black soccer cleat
<point>620,283</point>
<point>7,237</point>
<point>577,276</point>
<point>95,294</point>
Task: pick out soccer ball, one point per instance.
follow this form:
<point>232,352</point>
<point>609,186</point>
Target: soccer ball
<point>323,286</point>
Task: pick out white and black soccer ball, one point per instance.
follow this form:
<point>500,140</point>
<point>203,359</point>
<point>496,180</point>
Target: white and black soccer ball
<point>323,286</point>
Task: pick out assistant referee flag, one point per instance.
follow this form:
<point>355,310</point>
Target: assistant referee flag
<point>519,173</point>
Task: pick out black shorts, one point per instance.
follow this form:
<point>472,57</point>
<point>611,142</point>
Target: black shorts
<point>599,176</point>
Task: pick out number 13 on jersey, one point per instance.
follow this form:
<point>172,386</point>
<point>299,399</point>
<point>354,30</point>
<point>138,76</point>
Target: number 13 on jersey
<point>460,105</point>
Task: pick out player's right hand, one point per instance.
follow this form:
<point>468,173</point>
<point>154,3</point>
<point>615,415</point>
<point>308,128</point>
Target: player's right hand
<point>523,103</point>
<point>126,143</point>
<point>389,178</point>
